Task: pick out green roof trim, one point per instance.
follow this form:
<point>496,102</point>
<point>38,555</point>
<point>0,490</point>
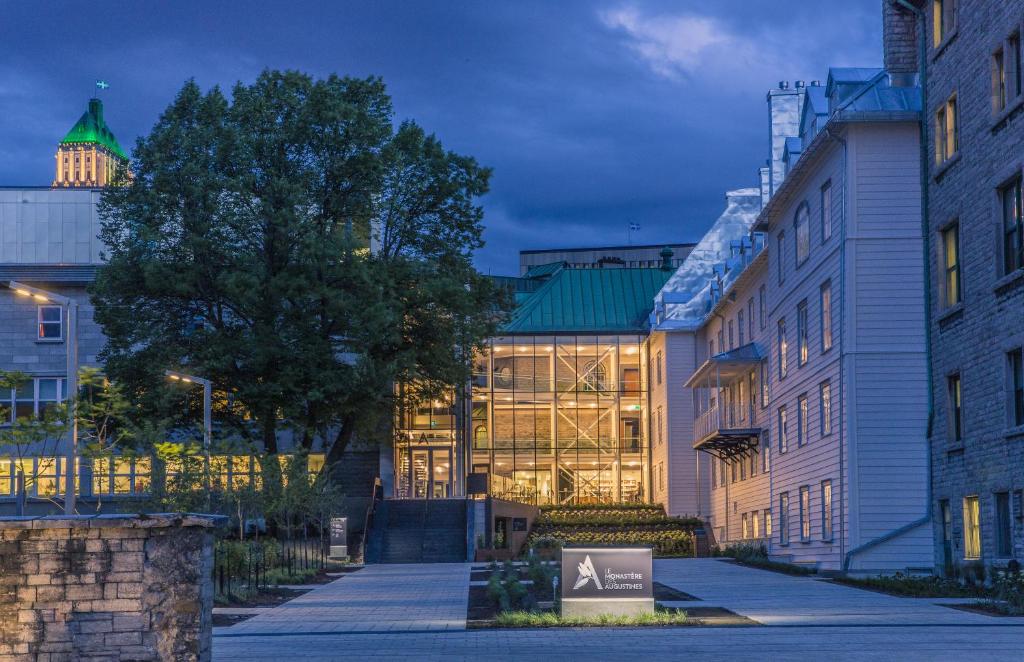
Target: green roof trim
<point>93,130</point>
<point>589,301</point>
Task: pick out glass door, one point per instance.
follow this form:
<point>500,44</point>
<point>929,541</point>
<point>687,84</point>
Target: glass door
<point>420,468</point>
<point>430,473</point>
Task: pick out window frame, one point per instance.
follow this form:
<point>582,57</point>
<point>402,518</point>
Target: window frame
<point>1003,542</point>
<point>782,420</point>
<point>827,532</point>
<point>1015,387</point>
<point>826,211</point>
<point>1010,229</point>
<point>947,130</point>
<point>944,21</point>
<point>740,337</point>
<point>41,323</point>
<point>825,408</point>
<point>763,306</point>
<point>955,407</point>
<point>782,348</point>
<point>805,513</point>
<point>802,234</point>
<point>951,277</point>
<point>781,261</point>
<point>784,519</point>
<point>972,528</point>
<point>825,302</point>
<point>803,350</point>
<point>801,420</point>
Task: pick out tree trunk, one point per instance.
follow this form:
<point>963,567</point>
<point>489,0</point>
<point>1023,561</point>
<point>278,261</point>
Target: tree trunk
<point>342,440</point>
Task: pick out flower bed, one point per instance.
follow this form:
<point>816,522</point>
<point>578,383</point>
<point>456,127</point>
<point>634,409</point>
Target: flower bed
<point>613,524</point>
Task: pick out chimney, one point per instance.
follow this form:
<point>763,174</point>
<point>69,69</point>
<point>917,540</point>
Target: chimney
<point>666,260</point>
<point>899,41</point>
<point>96,108</point>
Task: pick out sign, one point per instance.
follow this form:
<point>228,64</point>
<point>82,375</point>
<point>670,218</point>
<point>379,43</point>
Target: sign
<point>339,537</point>
<point>607,580</point>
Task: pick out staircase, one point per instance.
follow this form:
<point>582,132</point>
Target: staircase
<point>422,531</point>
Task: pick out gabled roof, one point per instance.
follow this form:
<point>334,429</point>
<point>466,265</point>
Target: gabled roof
<point>590,301</point>
<point>92,129</point>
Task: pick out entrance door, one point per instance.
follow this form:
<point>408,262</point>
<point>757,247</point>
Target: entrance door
<point>430,473</point>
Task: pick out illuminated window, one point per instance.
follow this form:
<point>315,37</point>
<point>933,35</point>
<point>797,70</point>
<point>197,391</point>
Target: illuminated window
<point>805,513</point>
<point>826,510</point>
<point>801,420</point>
<point>122,475</point>
<point>101,467</point>
<point>951,266</point>
<point>755,524</point>
<point>825,408</point>
<point>745,530</point>
<point>946,131</point>
<point>972,528</point>
<point>956,411</point>
<point>47,480</point>
<point>6,477</point>
<point>943,20</point>
<point>50,322</point>
<point>768,523</point>
<point>739,327</point>
<point>241,471</point>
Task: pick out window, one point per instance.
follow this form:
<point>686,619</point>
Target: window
<point>755,525</point>
<point>956,414</point>
<point>998,80</point>
<point>826,316</point>
<point>768,523</point>
<point>1013,54</point>
<point>805,513</point>
<point>826,510</point>
<point>721,473</point>
<point>31,398</point>
<point>801,420</point>
<point>801,333</point>
<point>721,339</point>
<point>1004,541</point>
<point>784,518</point>
<point>951,266</point>
<point>753,463</point>
<point>750,318</point>
<point>661,476</point>
<point>802,227</point>
<point>1013,225</point>
<point>972,528</point>
<point>783,431</point>
<point>764,383</point>
<point>762,297</point>
<point>711,347</point>
<point>658,368</point>
<point>739,327</point>
<point>826,211</point>
<point>745,530</point>
<point>780,260</point>
<point>660,426</point>
<point>825,408</point>
<point>946,131</point>
<point>743,468</point>
<point>732,335</point>
<point>50,320</point>
<point>943,20</point>
<point>714,474</point>
<point>766,446</point>
<point>6,477</point>
<point>783,350</point>
<point>733,472</point>
<point>1015,364</point>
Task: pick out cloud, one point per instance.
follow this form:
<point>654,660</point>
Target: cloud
<point>673,46</point>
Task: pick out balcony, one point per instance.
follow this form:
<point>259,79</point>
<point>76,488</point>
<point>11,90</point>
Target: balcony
<point>725,389</point>
<point>713,434</point>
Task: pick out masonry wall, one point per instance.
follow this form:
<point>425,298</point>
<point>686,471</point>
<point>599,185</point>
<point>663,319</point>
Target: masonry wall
<point>973,337</point>
<point>106,587</point>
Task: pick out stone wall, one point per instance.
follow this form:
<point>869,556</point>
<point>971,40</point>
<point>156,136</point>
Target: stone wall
<point>972,338</point>
<point>106,587</point>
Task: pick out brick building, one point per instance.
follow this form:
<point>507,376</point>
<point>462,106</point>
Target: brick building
<point>973,158</point>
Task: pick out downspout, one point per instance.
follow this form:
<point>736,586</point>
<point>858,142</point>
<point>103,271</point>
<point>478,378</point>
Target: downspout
<point>922,59</point>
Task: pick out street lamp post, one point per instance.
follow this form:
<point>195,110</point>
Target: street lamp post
<point>69,308</point>
<point>207,420</point>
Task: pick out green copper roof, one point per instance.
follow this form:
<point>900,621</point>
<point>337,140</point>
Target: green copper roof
<point>91,128</point>
<point>590,300</point>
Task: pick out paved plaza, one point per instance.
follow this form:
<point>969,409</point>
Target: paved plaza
<point>402,611</point>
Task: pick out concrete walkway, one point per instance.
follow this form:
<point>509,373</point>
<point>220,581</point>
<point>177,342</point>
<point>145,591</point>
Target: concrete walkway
<point>773,598</point>
<point>404,611</point>
<point>378,598</point>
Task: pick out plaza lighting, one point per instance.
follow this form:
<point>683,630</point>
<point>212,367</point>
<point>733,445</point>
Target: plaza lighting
<point>70,310</point>
<point>207,419</point>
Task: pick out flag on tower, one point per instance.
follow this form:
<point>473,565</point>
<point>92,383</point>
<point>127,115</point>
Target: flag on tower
<point>634,226</point>
<point>102,84</point>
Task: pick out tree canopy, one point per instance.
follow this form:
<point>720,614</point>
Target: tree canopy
<point>296,247</point>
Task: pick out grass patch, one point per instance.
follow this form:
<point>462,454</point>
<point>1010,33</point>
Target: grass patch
<point>915,587</point>
<point>529,619</point>
<point>776,566</point>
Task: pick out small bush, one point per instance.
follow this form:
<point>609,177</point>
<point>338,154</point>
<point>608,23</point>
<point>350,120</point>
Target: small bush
<point>521,619</point>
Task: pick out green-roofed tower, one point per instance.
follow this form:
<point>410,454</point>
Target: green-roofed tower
<point>89,154</point>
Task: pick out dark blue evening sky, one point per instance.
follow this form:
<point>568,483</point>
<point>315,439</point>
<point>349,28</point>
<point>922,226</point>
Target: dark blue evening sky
<point>592,114</point>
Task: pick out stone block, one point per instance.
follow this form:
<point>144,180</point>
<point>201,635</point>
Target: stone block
<point>127,562</point>
<point>92,627</point>
<point>114,605</point>
<point>130,622</point>
<point>130,590</point>
<point>123,638</point>
<point>84,592</point>
<point>38,580</point>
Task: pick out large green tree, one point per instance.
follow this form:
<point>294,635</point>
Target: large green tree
<point>295,246</point>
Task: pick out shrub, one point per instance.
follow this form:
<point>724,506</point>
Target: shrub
<point>1008,587</point>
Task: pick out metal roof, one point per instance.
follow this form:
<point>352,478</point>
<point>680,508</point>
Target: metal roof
<point>591,301</point>
<point>91,128</point>
<point>727,365</point>
<point>543,270</point>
